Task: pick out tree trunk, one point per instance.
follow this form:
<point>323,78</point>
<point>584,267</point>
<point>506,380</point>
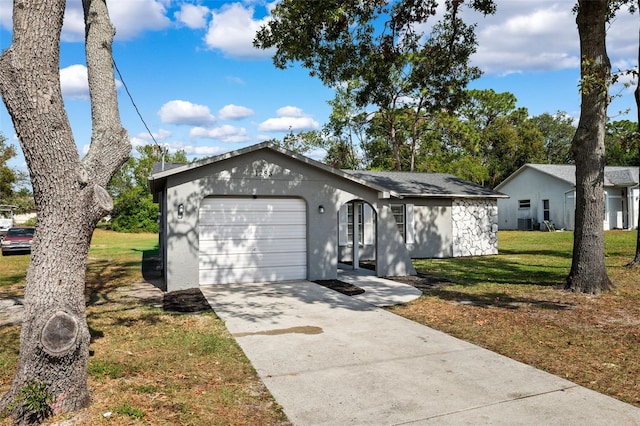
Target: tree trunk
<point>69,196</point>
<point>588,272</point>
<point>636,259</point>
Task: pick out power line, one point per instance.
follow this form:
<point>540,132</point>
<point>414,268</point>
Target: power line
<point>135,106</point>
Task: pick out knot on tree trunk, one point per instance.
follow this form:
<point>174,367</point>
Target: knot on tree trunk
<point>102,203</point>
<point>60,334</point>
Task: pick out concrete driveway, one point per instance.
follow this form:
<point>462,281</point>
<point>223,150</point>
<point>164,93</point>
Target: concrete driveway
<point>331,359</point>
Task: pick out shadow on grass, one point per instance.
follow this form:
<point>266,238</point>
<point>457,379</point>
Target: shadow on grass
<point>488,275</point>
<point>472,271</point>
<point>103,281</point>
<point>9,280</point>
<point>497,300</point>
<point>103,278</point>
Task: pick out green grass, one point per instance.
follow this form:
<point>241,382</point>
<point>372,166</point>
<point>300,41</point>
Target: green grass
<point>513,303</point>
<point>148,366</point>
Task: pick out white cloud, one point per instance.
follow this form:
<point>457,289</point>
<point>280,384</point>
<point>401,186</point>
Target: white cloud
<point>234,112</point>
<point>73,26</point>
<point>130,18</point>
<point>74,82</point>
<point>289,118</point>
<point>538,36</point>
<point>233,29</point>
<point>145,138</point>
<point>225,133</point>
<point>193,16</point>
<point>6,17</point>
<point>235,80</point>
<point>197,150</point>
<point>183,112</point>
<point>542,35</point>
<point>137,141</point>
<point>290,111</point>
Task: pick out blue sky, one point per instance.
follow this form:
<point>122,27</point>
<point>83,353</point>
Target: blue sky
<point>201,86</point>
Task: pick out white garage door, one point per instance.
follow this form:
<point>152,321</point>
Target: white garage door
<point>247,240</point>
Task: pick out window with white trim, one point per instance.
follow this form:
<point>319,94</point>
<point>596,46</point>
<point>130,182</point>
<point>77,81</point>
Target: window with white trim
<point>546,211</point>
<point>350,223</point>
<point>524,204</point>
<point>398,211</point>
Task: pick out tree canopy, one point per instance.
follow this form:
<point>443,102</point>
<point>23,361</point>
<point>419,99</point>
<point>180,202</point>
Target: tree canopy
<point>392,55</point>
<point>7,175</point>
<point>133,207</point>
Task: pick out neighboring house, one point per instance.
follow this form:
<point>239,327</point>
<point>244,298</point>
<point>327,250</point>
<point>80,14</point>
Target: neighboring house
<point>547,192</point>
<point>264,213</point>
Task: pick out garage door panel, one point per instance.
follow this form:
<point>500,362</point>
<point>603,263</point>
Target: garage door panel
<point>244,240</point>
<point>253,218</point>
<point>229,232</point>
<point>263,260</point>
<point>250,275</point>
<point>222,247</point>
<point>235,205</point>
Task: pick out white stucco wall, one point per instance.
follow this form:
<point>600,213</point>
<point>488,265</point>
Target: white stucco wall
<point>432,228</point>
<point>266,173</point>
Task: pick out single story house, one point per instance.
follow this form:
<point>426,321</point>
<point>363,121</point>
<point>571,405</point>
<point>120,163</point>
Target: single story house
<point>547,192</point>
<point>264,213</point>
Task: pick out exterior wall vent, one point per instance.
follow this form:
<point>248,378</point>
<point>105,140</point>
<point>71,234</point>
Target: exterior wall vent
<point>525,224</point>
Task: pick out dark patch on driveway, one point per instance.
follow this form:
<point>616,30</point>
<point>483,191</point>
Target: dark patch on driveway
<point>341,287</point>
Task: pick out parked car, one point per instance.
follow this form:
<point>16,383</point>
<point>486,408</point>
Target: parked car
<point>18,240</point>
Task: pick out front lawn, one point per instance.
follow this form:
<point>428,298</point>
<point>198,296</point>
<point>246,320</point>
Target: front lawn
<point>148,366</point>
<point>511,304</point>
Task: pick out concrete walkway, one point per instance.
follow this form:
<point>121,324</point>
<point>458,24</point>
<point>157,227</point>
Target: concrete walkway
<point>331,359</point>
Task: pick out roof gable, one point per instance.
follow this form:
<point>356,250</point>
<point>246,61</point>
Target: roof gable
<point>613,175</point>
<point>158,177</point>
<point>396,184</point>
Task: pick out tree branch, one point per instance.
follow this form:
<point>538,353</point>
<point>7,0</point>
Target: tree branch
<point>110,146</point>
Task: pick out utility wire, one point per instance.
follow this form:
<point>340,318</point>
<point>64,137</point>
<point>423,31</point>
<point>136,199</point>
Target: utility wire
<point>136,106</point>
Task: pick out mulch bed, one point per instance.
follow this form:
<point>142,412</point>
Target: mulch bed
<point>341,287</point>
<point>186,301</point>
<point>192,300</point>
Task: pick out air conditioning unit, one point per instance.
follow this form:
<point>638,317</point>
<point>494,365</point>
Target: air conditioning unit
<point>525,224</point>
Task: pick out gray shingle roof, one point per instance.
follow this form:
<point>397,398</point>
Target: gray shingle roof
<point>613,175</point>
<point>410,184</point>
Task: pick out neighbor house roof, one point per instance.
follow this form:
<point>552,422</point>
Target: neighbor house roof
<point>613,175</point>
<point>394,184</point>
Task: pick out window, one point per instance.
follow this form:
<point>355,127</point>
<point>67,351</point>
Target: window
<point>399,216</point>
<point>350,223</point>
<point>545,210</point>
<point>524,204</point>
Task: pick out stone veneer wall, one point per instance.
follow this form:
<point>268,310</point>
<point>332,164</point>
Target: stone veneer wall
<point>475,227</point>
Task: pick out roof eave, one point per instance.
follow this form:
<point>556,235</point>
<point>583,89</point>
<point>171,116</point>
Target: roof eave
<point>161,176</point>
<point>478,196</point>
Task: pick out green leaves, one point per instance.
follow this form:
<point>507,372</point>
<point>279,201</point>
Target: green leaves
<point>387,56</point>
<point>134,210</point>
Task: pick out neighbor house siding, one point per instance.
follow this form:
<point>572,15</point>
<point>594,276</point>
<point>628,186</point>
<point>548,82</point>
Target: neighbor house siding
<point>534,186</point>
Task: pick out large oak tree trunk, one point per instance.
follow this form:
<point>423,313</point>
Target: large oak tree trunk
<point>69,196</point>
<point>588,272</point>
